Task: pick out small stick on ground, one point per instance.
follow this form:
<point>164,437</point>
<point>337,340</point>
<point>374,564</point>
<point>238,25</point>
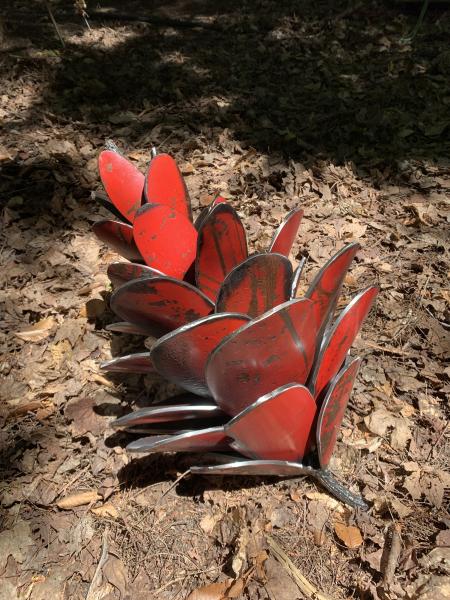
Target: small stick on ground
<point>305,586</point>
<point>393,556</point>
<point>98,571</point>
<point>55,24</point>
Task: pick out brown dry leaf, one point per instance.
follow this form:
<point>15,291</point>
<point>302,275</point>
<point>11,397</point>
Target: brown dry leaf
<point>78,499</point>
<point>116,574</point>
<point>349,535</point>
<point>209,522</point>
<point>212,591</point>
<point>81,412</point>
<point>443,538</point>
<point>14,542</point>
<point>107,510</point>
<point>380,421</point>
<point>37,332</point>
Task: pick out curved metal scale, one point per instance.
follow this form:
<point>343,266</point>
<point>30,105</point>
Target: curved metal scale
<point>169,412</point>
<point>333,409</point>
<point>275,427</point>
<point>280,468</point>
<point>259,357</point>
<point>166,239</point>
<point>119,237</point>
<point>339,339</point>
<point>103,199</point>
<point>160,302</point>
<point>205,211</point>
<point>256,285</point>
<point>296,277</point>
<point>131,363</point>
<point>326,286</point>
<point>181,355</point>
<point>205,440</point>
<point>120,272</point>
<point>123,183</point>
<point>221,245</point>
<point>165,185</point>
<point>131,328</point>
<point>286,233</point>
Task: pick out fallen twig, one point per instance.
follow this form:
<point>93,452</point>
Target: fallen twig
<point>55,24</point>
<point>393,556</point>
<point>98,571</point>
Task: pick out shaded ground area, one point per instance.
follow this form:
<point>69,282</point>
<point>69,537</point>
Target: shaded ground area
<point>274,105</point>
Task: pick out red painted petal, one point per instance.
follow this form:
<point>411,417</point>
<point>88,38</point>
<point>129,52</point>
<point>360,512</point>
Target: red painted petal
<point>132,363</point>
<point>119,237</point>
<point>205,440</point>
<point>131,329</point>
<point>160,302</point>
<point>119,272</point>
<point>326,286</point>
<point>168,413</point>
<point>286,233</point>
<point>221,246</point>
<point>181,356</point>
<point>277,426</point>
<point>340,338</point>
<point>166,239</point>
<point>205,211</point>
<point>271,350</point>
<point>165,185</point>
<point>123,183</point>
<point>256,285</point>
<point>333,409</point>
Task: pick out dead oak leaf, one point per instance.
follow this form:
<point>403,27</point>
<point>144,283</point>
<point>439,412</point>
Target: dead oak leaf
<point>212,591</point>
<point>381,421</point>
<point>37,332</point>
<point>84,418</point>
<point>349,535</point>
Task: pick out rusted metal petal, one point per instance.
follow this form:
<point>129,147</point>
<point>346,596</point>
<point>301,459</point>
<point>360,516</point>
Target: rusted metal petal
<point>131,363</point>
<point>276,348</point>
<point>333,409</point>
<point>204,440</point>
<point>286,233</point>
<point>119,237</point>
<point>176,427</point>
<point>221,245</point>
<point>326,286</point>
<point>256,285</point>
<point>166,239</point>
<point>181,355</point>
<point>297,276</point>
<point>123,183</point>
<point>169,412</point>
<point>161,302</point>
<point>120,272</point>
<point>281,468</point>
<point>165,185</point>
<point>277,426</point>
<point>130,328</point>
<point>205,211</point>
<point>339,338</point>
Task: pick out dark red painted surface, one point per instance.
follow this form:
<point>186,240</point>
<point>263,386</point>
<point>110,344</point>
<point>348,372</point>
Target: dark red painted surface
<point>161,301</point>
<point>166,239</point>
<point>119,237</point>
<point>269,352</point>
<point>205,211</point>
<point>129,328</point>
<point>277,426</point>
<point>325,288</point>
<point>121,272</point>
<point>165,185</point>
<point>286,233</point>
<point>205,440</point>
<point>256,285</point>
<point>221,246</point>
<point>123,183</point>
<point>332,411</point>
<point>339,339</point>
<point>132,363</point>
<point>181,355</point>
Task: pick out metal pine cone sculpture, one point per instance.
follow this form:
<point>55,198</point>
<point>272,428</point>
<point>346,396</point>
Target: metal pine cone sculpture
<point>268,375</point>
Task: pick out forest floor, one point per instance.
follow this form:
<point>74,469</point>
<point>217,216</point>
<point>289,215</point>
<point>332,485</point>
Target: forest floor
<point>327,106</point>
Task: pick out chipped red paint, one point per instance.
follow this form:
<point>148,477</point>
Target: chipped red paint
<point>286,233</point>
<point>181,356</point>
<point>160,302</point>
<point>276,426</point>
<point>120,272</point>
<point>276,348</point>
<point>221,246</point>
<point>132,363</point>
<point>119,237</point>
<point>339,338</point>
<point>166,239</point>
<point>256,285</point>
<point>165,185</point>
<point>326,286</point>
<point>205,440</point>
<point>333,409</point>
<point>123,183</point>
